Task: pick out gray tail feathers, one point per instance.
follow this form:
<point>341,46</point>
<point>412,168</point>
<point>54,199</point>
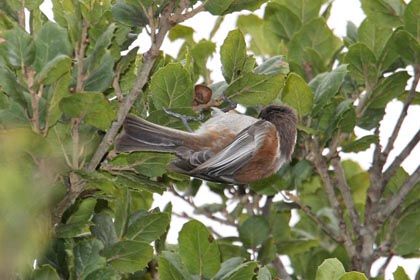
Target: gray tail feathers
<point>141,135</point>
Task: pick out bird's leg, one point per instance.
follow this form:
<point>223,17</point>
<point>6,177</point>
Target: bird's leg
<point>185,119</point>
<point>231,104</point>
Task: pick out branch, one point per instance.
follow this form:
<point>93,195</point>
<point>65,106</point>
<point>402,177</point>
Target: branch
<point>389,207</point>
<point>392,169</point>
<point>346,193</point>
<point>407,103</point>
<point>321,166</point>
<point>324,227</point>
<point>280,269</point>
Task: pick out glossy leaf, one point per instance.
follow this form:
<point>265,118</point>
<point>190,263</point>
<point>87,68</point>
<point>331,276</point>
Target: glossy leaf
<point>233,56</point>
<point>407,46</point>
<point>198,249</point>
<point>129,15</point>
<point>361,144</point>
<point>101,77</point>
<point>297,94</point>
<point>384,12</point>
<point>104,273</point>
<point>374,36</point>
<point>56,92</point>
<point>171,87</point>
<point>228,266</point>
<point>128,256</point>
<point>243,271</point>
<point>103,228</point>
<point>149,164</point>
<point>240,5</point>
<point>306,10</point>
<point>273,65</point>
<point>400,274</point>
<point>387,89</point>
<point>252,89</point>
<point>412,18</point>
<point>264,274</point>
<point>45,272</point>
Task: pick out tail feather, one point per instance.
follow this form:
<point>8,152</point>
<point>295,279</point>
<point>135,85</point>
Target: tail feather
<point>141,135</point>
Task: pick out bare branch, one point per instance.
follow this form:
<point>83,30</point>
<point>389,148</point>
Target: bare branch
<point>392,169</point>
<point>324,227</point>
<point>407,103</point>
<point>389,207</point>
<point>280,269</point>
<point>346,193</point>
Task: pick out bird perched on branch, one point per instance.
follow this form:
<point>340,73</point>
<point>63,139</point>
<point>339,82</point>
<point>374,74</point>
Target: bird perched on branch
<point>227,148</point>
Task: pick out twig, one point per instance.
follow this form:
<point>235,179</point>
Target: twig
<point>389,207</point>
<point>184,215</point>
<point>80,52</point>
<point>346,193</point>
<point>324,227</point>
<point>321,166</point>
<point>407,103</point>
<point>75,124</point>
<point>383,267</point>
<point>392,169</point>
<point>280,269</point>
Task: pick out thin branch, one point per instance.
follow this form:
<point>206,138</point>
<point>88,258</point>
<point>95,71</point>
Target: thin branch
<point>80,53</point>
<point>177,18</point>
<point>321,166</point>
<point>346,193</point>
<point>389,207</point>
<point>280,269</point>
<point>75,124</point>
<point>381,272</point>
<point>407,103</point>
<point>392,169</point>
<point>324,227</point>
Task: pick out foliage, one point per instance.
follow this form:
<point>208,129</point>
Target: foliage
<point>82,212</point>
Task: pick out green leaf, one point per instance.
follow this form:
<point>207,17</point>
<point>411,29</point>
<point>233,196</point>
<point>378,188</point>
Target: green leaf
<point>407,46</point>
<point>295,247</point>
<point>45,272</point>
<point>330,269</point>
<point>353,275</point>
<point>101,77</point>
<point>387,89</point>
<point>239,5</point>
<point>78,220</point>
<point>129,15</point>
<point>103,228</point>
<point>360,145</point>
<point>198,249</point>
<point>297,94</point>
<point>253,231</point>
<point>326,85</point>
<point>171,87</point>
<point>10,85</point>
<point>314,37</point>
<point>128,256</point>
<point>262,42</point>
<point>406,236</point>
<point>273,65</point>
<point>57,91</point>
<point>362,64</point>
<point>180,31</point>
<point>92,107</point>
<point>233,56</point>
<point>306,10</point>
<point>121,210</point>
<point>282,21</point>
<point>400,274</point>
<point>251,89</point>
<point>104,273</point>
<point>17,48</point>
<point>147,228</point>
<point>149,164</point>
<point>242,271</point>
<point>374,36</point>
<point>51,41</point>
<point>87,258</point>
<point>412,18</point>
<point>384,12</point>
<point>171,267</point>
<point>264,274</point>
<point>228,266</point>
<point>217,7</point>
<point>54,69</point>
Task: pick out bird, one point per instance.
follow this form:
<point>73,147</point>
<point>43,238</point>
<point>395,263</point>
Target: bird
<point>228,148</point>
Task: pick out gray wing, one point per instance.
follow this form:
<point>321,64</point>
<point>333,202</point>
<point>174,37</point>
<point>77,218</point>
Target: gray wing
<point>221,166</point>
